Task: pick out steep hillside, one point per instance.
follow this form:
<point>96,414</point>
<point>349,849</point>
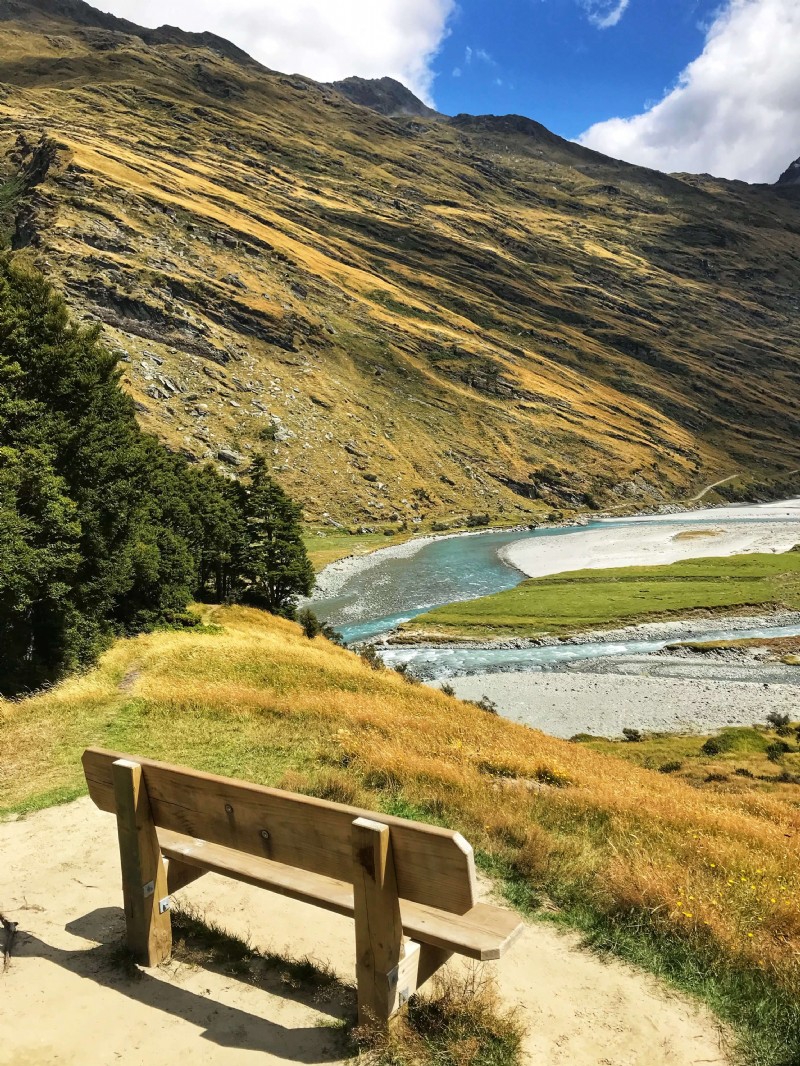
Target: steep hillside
<point>698,883</point>
<point>417,317</point>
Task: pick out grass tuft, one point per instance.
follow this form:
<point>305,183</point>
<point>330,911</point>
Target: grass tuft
<point>460,1023</point>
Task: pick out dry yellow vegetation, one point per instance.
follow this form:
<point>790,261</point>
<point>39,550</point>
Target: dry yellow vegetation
<point>417,317</point>
<point>707,875</point>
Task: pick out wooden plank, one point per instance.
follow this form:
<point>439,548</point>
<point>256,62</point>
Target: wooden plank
<point>414,970</point>
<point>379,930</point>
<point>144,879</point>
<point>433,866</point>
<point>483,933</point>
<point>431,960</point>
<point>180,874</point>
<point>325,892</point>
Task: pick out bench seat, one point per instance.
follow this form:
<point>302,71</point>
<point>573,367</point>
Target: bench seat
<point>483,933</point>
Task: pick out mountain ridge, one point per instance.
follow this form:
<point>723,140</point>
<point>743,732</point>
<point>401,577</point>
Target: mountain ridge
<point>417,317</point>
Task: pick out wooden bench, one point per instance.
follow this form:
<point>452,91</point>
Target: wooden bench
<point>391,875</point>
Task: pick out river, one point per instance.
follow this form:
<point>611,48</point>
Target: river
<point>376,594</point>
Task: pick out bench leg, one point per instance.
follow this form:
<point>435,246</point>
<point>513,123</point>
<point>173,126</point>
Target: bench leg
<point>144,881</point>
<point>379,930</point>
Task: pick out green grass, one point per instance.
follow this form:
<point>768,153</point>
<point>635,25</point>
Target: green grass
<point>324,548</point>
<point>590,599</point>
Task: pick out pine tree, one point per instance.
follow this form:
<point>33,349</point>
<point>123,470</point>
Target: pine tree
<point>276,567</point>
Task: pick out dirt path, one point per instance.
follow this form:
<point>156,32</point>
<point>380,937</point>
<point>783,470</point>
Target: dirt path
<point>714,485</point>
<point>72,1004</point>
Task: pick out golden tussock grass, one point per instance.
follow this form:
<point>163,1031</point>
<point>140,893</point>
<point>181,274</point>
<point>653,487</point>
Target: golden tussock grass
<point>716,870</point>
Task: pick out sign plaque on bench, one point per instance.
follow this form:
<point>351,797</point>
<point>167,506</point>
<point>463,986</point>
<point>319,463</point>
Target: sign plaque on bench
<point>410,888</point>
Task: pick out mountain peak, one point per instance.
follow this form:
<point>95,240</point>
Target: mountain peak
<point>384,95</point>
<point>790,176</point>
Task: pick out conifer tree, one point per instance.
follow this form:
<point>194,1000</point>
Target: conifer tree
<point>276,567</point>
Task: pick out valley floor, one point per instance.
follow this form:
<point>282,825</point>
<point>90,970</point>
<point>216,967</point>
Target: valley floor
<point>76,1004</point>
<point>603,704</point>
<point>771,527</point>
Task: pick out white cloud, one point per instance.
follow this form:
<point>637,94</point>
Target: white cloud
<point>735,111</point>
<point>605,13</point>
<point>324,39</point>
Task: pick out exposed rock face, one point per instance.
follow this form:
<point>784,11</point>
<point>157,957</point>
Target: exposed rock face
<point>790,176</point>
<point>384,95</point>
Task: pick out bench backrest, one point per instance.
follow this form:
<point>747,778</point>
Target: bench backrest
<point>433,866</point>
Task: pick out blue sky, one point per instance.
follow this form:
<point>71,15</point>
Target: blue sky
<point>679,85</point>
<point>547,59</point>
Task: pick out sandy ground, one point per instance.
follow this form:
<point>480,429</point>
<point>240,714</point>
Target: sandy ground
<point>751,528</point>
<point>64,1001</point>
<point>563,704</point>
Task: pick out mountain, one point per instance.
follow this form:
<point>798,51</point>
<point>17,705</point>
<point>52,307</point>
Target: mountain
<point>790,176</point>
<point>384,95</point>
<point>417,317</point>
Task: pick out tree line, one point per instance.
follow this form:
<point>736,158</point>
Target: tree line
<point>103,531</point>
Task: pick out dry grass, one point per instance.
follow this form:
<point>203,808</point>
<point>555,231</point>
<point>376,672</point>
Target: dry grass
<point>460,1022</point>
<point>453,335</point>
<point>714,871</point>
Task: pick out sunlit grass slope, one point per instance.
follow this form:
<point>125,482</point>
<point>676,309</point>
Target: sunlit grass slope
<point>418,317</point>
<point>701,885</point>
<point>588,599</point>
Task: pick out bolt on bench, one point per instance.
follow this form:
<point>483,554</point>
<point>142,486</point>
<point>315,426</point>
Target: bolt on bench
<point>391,875</point>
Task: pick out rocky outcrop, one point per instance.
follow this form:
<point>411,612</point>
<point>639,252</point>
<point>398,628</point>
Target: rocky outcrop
<point>384,95</point>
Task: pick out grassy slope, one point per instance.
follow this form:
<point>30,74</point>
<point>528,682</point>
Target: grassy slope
<point>592,599</point>
<point>742,764</point>
<point>445,317</point>
<point>701,885</point>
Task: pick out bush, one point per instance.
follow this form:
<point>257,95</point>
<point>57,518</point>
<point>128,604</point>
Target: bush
<point>313,627</point>
<point>485,704</point>
<point>670,767</point>
<point>448,690</point>
<point>779,722</point>
<point>632,735</point>
<point>405,671</point>
<point>712,747</point>
<point>369,655</point>
<point>742,771</point>
<point>776,750</point>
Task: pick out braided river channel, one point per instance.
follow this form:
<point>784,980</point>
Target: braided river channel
<point>367,598</point>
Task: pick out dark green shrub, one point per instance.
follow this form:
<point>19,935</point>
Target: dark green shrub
<point>632,735</point>
<point>779,722</point>
<point>670,767</point>
<point>369,655</point>
<point>777,750</point>
<point>485,704</point>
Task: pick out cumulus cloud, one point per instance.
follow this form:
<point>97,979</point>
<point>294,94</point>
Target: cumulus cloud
<point>735,111</point>
<point>323,39</point>
<point>605,13</point>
